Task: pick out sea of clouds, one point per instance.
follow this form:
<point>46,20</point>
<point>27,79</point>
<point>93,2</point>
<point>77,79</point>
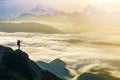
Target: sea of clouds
<point>76,50</point>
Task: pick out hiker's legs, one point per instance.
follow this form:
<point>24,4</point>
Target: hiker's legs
<point>18,46</point>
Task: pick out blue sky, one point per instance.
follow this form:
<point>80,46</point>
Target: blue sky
<point>7,5</point>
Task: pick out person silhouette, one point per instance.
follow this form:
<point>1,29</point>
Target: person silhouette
<point>18,43</point>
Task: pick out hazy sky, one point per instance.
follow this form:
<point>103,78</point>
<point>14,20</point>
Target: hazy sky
<point>64,5</point>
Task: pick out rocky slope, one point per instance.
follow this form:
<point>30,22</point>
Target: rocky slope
<point>16,65</point>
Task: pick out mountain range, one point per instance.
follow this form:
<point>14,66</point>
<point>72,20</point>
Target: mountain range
<point>38,10</point>
<point>90,10</point>
<point>42,10</point>
<point>95,17</point>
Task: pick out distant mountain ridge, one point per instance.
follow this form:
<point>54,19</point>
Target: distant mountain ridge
<point>28,27</point>
<point>37,10</point>
<point>41,10</point>
<point>90,10</point>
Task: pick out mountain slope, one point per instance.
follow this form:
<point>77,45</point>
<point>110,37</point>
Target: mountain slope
<point>16,65</point>
<point>28,27</point>
<point>57,67</point>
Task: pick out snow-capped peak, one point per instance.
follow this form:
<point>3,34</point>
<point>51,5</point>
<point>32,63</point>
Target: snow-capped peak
<point>38,10</point>
<point>42,10</point>
<point>89,10</point>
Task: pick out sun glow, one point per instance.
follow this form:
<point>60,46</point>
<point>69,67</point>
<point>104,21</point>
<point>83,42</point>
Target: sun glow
<point>105,1</point>
<point>80,4</point>
<point>109,4</point>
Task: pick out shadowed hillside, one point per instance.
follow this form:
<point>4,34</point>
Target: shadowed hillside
<point>28,27</point>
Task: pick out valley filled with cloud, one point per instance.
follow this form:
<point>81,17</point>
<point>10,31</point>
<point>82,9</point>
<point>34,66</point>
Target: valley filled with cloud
<point>78,52</point>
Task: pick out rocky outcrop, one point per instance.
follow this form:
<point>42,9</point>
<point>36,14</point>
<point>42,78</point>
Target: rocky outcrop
<point>16,65</point>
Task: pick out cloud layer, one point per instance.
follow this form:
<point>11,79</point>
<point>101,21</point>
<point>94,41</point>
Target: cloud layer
<point>80,56</point>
